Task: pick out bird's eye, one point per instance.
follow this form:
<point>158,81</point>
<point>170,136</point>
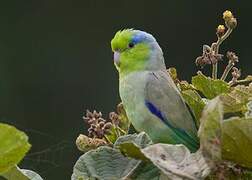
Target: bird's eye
<point>131,45</point>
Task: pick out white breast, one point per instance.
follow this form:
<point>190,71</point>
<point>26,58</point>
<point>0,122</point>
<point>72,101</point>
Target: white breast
<point>132,89</point>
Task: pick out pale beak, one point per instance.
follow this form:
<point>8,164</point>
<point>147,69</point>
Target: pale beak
<point>117,58</point>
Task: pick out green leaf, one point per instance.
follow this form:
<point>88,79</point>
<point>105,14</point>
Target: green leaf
<point>131,145</point>
<point>173,73</point>
<point>103,163</point>
<point>246,174</point>
<point>210,130</point>
<point>21,174</point>
<point>142,140</point>
<point>124,121</point>
<point>113,135</point>
<point>13,146</point>
<point>237,141</point>
<point>195,102</point>
<point>248,114</point>
<point>14,173</point>
<point>147,171</point>
<point>132,150</point>
<point>237,99</point>
<point>177,162</point>
<point>210,88</point>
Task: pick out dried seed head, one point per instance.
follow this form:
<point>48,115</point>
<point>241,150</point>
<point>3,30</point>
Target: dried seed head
<point>93,126</point>
<point>236,73</point>
<point>208,57</point>
<point>101,124</point>
<point>114,118</point>
<point>232,57</point>
<point>202,61</point>
<point>215,58</point>
<point>92,117</point>
<point>98,126</point>
<point>108,126</point>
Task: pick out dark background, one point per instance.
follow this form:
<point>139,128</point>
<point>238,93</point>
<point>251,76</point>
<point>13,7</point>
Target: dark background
<point>56,61</point>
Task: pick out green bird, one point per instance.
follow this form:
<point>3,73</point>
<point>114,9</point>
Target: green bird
<point>150,97</point>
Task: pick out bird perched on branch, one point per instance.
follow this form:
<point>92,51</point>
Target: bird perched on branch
<point>151,99</point>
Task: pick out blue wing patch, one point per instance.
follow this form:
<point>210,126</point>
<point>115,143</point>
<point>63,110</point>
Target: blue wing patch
<point>154,110</point>
<point>179,132</point>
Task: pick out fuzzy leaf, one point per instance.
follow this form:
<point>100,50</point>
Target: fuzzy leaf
<point>237,99</point>
<point>103,163</point>
<point>31,174</point>
<point>131,144</point>
<point>14,146</point>
<point>237,141</point>
<point>132,150</point>
<point>210,88</point>
<point>177,162</point>
<point>210,130</point>
<point>147,171</point>
<point>142,140</point>
<point>195,102</point>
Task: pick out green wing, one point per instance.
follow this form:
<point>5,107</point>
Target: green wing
<point>163,99</point>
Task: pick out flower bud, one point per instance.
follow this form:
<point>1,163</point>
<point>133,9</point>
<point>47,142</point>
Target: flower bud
<point>220,31</point>
<point>227,15</point>
<point>85,143</point>
<point>232,23</point>
<point>82,142</point>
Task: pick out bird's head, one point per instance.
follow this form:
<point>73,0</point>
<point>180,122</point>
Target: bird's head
<point>136,50</point>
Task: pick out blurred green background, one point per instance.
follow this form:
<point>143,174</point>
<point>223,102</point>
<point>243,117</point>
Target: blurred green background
<point>56,61</point>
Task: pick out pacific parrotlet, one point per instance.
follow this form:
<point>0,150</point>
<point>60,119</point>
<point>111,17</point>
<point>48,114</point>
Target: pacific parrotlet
<point>151,99</point>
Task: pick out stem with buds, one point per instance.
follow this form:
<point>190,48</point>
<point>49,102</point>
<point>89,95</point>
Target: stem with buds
<point>216,47</point>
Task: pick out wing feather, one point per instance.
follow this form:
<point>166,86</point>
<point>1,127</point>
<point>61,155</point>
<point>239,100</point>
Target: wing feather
<point>164,100</point>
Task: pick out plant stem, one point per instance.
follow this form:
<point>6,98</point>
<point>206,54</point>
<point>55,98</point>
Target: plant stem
<point>215,71</point>
<point>107,139</point>
<point>227,70</point>
<point>221,39</point>
<point>243,81</point>
<point>121,130</point>
<point>216,51</point>
<point>117,131</point>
